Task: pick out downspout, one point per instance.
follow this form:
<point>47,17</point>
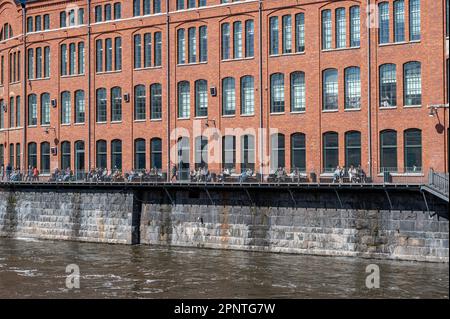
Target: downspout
<point>369,95</point>
<point>24,87</point>
<point>89,82</point>
<point>168,86</point>
<point>261,96</point>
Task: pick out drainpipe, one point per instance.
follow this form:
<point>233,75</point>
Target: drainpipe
<point>369,91</point>
<point>24,87</point>
<point>168,86</point>
<point>89,82</point>
<point>262,135</point>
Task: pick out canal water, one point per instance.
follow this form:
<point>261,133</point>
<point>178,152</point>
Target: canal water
<point>37,269</point>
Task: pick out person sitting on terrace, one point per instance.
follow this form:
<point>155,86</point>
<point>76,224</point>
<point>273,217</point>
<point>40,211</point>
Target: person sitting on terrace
<point>15,175</point>
<point>295,175</point>
<point>337,174</point>
<point>352,174</point>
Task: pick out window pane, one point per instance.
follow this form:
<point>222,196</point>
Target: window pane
<point>414,20</point>
<point>277,159</point>
<point>184,100</point>
<point>139,154</point>
<point>412,83</point>
<point>118,54</point>
<point>355,28</point>
<point>352,149</point>
<point>341,28</point>
<point>192,45</point>
<point>137,51</point>
<point>300,32</point>
<point>116,104</point>
<point>352,88</point>
<point>330,89</point>
<point>388,156</point>
<point>330,152</point>
<point>297,92</point>
<point>237,46</point>
<point>249,38</point>
<point>274,35</point>
<point>247,95</point>
<point>32,109</point>
<point>383,17</point>
<point>156,153</point>
<point>147,50</point>
<point>80,107</point>
<point>229,96</point>
<point>298,152</point>
<point>203,44</point>
<point>388,85</point>
<point>101,161</point>
<point>201,98</point>
<point>277,93</point>
<point>326,29</point>
<point>101,105</point>
<point>45,109</point>
<point>225,41</point>
<point>66,108</point>
<point>156,101</point>
<point>139,102</point>
<point>248,152</point>
<point>413,150</point>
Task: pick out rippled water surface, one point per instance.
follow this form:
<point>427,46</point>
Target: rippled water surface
<point>37,269</point>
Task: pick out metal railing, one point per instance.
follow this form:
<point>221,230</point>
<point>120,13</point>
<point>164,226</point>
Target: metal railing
<point>438,181</point>
<point>281,176</point>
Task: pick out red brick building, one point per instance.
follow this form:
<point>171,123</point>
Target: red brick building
<point>100,83</point>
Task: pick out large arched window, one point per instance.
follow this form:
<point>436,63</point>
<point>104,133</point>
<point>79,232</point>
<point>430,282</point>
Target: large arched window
<point>277,93</point>
<point>330,89</point>
<point>155,101</point>
<point>201,152</point>
<point>228,96</point>
<point>79,159</point>
<point>330,151</point>
<point>6,32</point>
<point>383,22</point>
<point>116,104</point>
<point>388,151</point>
<point>201,98</point>
<point>101,105</point>
<point>352,149</point>
<point>65,107</point>
<point>116,154</point>
<point>247,95</point>
<point>65,155</point>
<point>352,88</point>
<point>45,109</point>
<point>32,154</point>
<point>32,109</point>
<point>139,154</point>
<point>101,154</point>
<point>139,102</point>
<point>247,152</point>
<point>297,92</point>
<point>388,85</point>
<point>229,152</point>
<point>184,100</point>
<point>45,158</point>
<point>277,146</point>
<point>298,152</point>
<point>80,107</point>
<point>412,83</point>
<point>413,150</point>
<point>156,153</point>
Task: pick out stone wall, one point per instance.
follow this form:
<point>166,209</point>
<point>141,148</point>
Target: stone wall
<point>70,215</point>
<point>406,235</point>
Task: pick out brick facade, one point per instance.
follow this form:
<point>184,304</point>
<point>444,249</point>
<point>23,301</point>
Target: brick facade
<point>431,51</point>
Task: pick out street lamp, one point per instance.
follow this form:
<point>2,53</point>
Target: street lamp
<point>434,109</point>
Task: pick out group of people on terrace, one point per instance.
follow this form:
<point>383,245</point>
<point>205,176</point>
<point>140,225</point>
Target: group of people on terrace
<point>10,174</point>
<point>352,174</point>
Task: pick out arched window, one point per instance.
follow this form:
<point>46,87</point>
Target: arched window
<point>32,109</point>
<point>6,32</point>
<point>277,146</point>
<point>79,159</point>
<point>414,20</point>
<point>383,22</point>
<point>45,109</point>
<point>101,154</point>
<point>229,152</point>
<point>326,29</point>
<point>228,96</point>
<point>181,38</point>
<point>184,100</point>
<point>45,158</point>
<point>274,37</point>
<point>413,150</point>
<point>201,98</point>
<point>287,33</point>
<point>352,88</point>
<point>330,151</point>
<point>298,152</point>
<point>388,154</point>
<point>116,155</point>
<point>399,21</point>
<point>136,8</point>
<point>247,95</point>
<point>330,89</point>
<point>297,92</point>
<point>32,154</point>
<point>65,155</point>
<point>156,101</point>
<point>277,93</point>
<point>139,154</point>
<point>237,38</point>
<point>247,152</point>
<point>156,153</point>
<point>341,28</point>
<point>116,104</point>
<point>65,107</point>
<point>183,147</point>
<point>352,149</point>
<point>355,26</point>
<point>225,41</point>
<point>412,83</point>
<point>388,85</point>
<point>201,152</point>
<point>80,107</point>
<point>139,102</point>
<point>101,105</point>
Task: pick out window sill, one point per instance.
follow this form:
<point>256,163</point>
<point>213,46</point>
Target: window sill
<point>148,68</point>
<point>341,49</point>
<point>13,83</point>
<point>66,124</point>
<point>192,64</point>
<point>298,112</point>
<point>140,121</point>
<point>116,122</point>
<point>286,54</point>
<point>38,79</point>
<point>238,59</point>
<point>155,120</point>
<point>200,117</point>
<point>388,107</point>
<point>330,111</point>
<point>229,116</point>
<point>277,113</point>
<point>101,122</point>
<point>78,124</point>
<point>412,106</point>
<point>247,115</point>
<point>108,72</point>
<point>183,118</point>
<point>70,76</point>
<point>394,174</point>
<point>32,126</point>
<point>352,110</point>
<point>398,43</point>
